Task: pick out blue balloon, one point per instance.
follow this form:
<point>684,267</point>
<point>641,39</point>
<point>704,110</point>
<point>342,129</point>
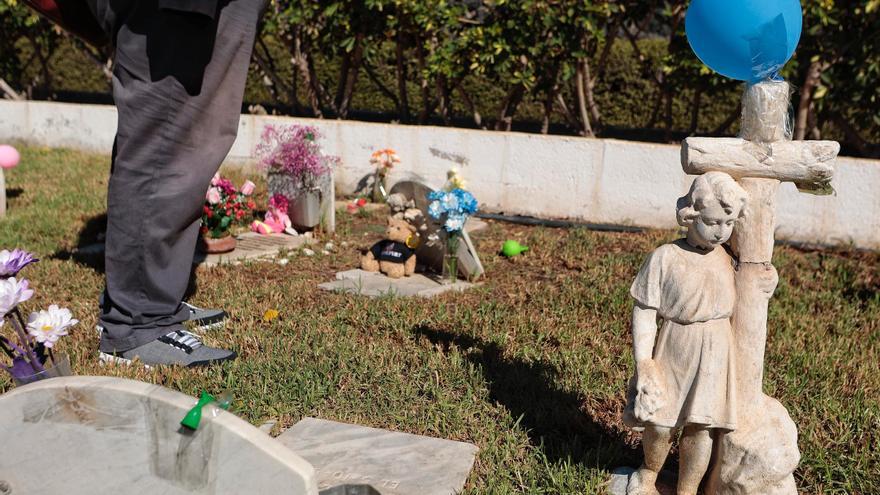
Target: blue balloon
<point>748,40</point>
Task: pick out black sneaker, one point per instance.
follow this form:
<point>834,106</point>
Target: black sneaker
<point>177,348</point>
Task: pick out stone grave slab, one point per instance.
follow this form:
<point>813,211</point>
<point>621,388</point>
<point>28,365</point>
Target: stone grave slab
<point>392,463</point>
<point>469,264</point>
<point>372,284</point>
<point>84,435</point>
<point>254,246</point>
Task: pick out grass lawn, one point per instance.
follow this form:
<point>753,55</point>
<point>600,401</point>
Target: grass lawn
<point>531,366</point>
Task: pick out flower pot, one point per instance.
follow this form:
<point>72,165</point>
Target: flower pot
<point>216,246</point>
<point>450,269</point>
<point>279,183</point>
<point>305,209</point>
<point>450,259</point>
<point>379,194</point>
<point>60,368</point>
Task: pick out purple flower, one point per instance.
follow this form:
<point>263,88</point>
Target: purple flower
<point>12,293</point>
<point>12,262</point>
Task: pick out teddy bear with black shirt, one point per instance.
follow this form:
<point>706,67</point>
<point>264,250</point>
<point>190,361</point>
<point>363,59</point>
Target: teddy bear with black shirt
<point>395,256</point>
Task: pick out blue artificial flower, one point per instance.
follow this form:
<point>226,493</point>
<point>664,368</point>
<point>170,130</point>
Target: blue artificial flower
<point>435,210</point>
<point>466,201</point>
<point>456,205</point>
<point>450,203</point>
<point>455,222</point>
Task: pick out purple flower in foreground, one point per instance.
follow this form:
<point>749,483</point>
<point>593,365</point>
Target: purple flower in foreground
<point>11,262</point>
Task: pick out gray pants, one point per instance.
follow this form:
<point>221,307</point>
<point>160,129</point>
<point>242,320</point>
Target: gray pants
<point>178,84</point>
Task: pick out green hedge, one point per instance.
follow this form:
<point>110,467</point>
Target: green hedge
<point>515,60</point>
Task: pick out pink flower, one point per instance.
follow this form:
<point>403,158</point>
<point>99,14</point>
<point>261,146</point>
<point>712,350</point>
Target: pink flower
<point>279,202</point>
<point>215,181</point>
<point>248,188</point>
<point>213,196</point>
<point>294,151</point>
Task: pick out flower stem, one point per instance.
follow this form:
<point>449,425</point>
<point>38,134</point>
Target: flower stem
<point>27,351</point>
<point>27,337</point>
<point>4,344</point>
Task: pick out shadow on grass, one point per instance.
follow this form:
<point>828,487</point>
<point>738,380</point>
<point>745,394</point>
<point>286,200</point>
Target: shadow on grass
<point>553,418</point>
<point>89,250</point>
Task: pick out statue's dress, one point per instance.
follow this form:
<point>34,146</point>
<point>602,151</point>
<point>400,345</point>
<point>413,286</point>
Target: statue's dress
<point>693,292</point>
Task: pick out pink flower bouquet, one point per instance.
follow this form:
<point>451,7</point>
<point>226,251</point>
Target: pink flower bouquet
<point>225,205</point>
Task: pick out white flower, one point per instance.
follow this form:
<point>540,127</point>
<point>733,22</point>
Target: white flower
<point>454,223</point>
<point>435,210</point>
<point>50,325</point>
<point>12,293</point>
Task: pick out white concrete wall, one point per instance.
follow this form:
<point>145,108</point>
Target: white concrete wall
<point>593,180</point>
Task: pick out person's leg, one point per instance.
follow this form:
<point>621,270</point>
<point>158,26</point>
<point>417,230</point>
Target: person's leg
<point>178,86</point>
<point>656,442</point>
<point>695,453</point>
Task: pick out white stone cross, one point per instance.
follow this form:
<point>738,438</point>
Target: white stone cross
<point>759,160</point>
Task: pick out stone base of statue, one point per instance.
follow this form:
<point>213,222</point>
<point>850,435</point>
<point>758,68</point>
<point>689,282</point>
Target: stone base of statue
<point>760,456</point>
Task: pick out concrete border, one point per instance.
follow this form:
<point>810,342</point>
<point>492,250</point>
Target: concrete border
<point>600,181</point>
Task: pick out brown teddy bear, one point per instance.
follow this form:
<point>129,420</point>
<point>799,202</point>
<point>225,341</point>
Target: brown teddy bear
<point>395,256</point>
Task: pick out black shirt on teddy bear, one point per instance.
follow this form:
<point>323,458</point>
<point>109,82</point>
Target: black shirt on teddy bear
<point>395,252</point>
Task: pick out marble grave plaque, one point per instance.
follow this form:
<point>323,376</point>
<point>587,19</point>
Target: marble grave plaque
<point>390,462</point>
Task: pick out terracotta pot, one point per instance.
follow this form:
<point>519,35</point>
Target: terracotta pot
<point>216,246</point>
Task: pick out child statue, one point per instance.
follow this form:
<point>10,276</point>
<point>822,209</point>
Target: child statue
<point>685,380</point>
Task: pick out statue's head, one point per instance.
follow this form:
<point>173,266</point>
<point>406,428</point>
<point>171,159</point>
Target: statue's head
<point>711,208</point>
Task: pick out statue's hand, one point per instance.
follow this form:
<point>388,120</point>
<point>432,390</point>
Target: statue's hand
<point>768,278</point>
<point>650,390</point>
